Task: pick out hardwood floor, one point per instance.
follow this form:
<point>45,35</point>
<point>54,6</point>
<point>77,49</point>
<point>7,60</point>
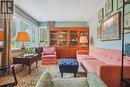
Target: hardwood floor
<point>29,80</point>
<point>6,77</point>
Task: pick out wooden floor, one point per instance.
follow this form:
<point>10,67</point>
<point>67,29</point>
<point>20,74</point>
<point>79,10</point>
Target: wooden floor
<point>4,78</point>
<point>29,80</point>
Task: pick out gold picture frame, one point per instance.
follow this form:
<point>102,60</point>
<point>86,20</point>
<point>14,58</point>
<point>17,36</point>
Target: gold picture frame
<point>127,20</point>
<point>111,28</point>
<point>100,15</point>
<point>119,4</point>
<point>126,31</point>
<point>99,27</point>
<point>108,7</point>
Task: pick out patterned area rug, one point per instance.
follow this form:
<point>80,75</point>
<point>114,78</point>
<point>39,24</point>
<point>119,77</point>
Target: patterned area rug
<point>30,80</point>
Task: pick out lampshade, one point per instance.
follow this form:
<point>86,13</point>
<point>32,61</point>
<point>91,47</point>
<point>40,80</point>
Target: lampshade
<point>83,39</point>
<point>22,37</point>
<point>1,36</point>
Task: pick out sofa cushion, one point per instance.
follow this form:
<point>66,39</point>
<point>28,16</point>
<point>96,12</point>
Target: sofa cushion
<point>93,65</point>
<point>95,81</point>
<point>81,57</point>
<point>70,82</point>
<point>107,56</point>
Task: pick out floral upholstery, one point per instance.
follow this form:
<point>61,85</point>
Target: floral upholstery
<point>49,56</point>
<point>92,80</point>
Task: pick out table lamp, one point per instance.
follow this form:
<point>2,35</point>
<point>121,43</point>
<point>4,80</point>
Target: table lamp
<point>2,39</point>
<point>22,37</point>
<point>1,36</point>
<point>83,40</point>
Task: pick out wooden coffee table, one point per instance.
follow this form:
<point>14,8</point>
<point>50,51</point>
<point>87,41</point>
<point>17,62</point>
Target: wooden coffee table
<point>26,60</point>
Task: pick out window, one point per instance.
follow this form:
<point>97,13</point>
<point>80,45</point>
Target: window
<point>43,36</point>
<point>20,24</point>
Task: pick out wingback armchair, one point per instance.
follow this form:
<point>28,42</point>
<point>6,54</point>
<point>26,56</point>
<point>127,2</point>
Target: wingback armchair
<point>92,80</point>
<point>49,56</point>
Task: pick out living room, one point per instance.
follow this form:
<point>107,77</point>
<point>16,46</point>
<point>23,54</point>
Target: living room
<point>82,43</point>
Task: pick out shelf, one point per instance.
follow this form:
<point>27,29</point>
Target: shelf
<point>67,36</point>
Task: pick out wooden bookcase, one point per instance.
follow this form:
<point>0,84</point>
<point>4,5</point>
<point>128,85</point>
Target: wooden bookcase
<point>66,40</point>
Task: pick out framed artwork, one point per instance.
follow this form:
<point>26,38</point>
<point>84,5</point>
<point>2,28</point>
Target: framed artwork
<point>100,15</point>
<point>119,4</point>
<point>111,28</point>
<point>127,31</point>
<point>108,7</point>
<point>127,20</point>
<point>99,30</point>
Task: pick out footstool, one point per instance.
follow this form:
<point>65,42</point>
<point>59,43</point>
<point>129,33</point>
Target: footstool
<point>68,66</point>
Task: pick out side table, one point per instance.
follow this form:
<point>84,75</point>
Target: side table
<point>26,60</point>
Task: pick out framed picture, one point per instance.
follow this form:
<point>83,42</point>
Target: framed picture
<point>108,7</point>
<point>100,15</point>
<point>119,4</point>
<point>127,31</point>
<point>111,28</point>
<point>99,30</point>
<point>127,20</point>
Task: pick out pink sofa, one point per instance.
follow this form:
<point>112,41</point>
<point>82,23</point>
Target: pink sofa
<point>49,56</point>
<point>105,63</point>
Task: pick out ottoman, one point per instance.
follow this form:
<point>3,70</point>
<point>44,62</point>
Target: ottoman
<point>68,66</point>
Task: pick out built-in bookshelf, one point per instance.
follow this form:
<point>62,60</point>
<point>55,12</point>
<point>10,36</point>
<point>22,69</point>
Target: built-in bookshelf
<point>63,38</point>
<point>73,38</point>
<point>53,38</point>
<point>67,40</point>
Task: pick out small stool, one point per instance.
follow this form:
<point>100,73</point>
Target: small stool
<point>68,66</point>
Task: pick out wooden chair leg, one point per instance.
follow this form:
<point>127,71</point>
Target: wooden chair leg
<point>62,75</point>
<point>74,74</point>
<point>11,84</point>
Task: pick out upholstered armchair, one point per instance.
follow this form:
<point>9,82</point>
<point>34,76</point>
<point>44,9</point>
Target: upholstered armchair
<point>49,56</point>
<point>92,80</point>
<point>39,51</point>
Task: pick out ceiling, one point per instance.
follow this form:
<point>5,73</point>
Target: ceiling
<point>60,10</point>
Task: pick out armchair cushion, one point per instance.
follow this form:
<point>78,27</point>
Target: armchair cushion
<point>49,53</point>
<point>70,82</point>
<point>92,80</point>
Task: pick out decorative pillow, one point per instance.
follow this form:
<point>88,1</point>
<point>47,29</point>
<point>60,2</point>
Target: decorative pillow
<point>49,52</point>
<point>48,48</point>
